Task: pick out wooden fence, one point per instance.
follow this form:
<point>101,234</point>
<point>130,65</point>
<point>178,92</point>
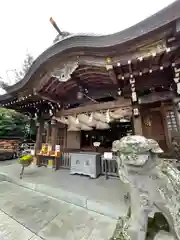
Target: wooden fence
<point>65,161</point>
<point>109,166</point>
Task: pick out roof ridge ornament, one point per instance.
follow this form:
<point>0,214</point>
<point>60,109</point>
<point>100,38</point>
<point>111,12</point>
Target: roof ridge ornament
<point>61,34</point>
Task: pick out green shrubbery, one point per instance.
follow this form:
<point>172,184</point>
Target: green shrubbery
<point>14,124</point>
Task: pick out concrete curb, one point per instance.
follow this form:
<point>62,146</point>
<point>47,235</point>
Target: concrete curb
<point>104,208</point>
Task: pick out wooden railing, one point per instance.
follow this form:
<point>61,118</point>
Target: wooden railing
<point>109,167</point>
<point>65,161</point>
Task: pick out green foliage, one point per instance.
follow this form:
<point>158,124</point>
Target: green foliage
<point>14,124</point>
<point>28,61</point>
<point>4,85</point>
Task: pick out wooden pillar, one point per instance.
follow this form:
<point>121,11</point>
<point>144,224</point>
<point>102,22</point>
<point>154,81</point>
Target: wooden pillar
<point>48,133</point>
<point>176,112</point>
<point>137,125</point>
<point>40,129</point>
<point>165,126</point>
<point>137,121</point>
<point>53,133</point>
<point>65,137</point>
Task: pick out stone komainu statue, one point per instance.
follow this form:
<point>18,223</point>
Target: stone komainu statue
<point>152,185</point>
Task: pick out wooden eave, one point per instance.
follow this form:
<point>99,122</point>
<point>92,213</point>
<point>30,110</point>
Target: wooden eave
<point>88,79</point>
<point>98,82</point>
<point>160,25</point>
<point>93,78</point>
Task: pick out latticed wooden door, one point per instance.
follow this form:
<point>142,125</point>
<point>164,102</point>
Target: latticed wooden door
<point>171,123</point>
<point>153,127</point>
<point>61,137</point>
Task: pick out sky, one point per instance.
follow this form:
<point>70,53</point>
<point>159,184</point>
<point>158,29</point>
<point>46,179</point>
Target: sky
<point>25,26</point>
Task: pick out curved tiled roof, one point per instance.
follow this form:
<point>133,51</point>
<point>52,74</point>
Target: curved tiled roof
<point>151,24</point>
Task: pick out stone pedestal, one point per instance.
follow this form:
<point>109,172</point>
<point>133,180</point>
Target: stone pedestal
<point>162,235</point>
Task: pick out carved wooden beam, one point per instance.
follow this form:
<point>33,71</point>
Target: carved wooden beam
<point>51,85</point>
<point>120,70</point>
<point>113,77</point>
<point>47,98</point>
<point>145,70</point>
<point>121,103</point>
<point>168,56</point>
<point>55,88</point>
<point>151,63</point>
<point>112,74</point>
<point>43,81</point>
<point>130,67</point>
<point>90,69</point>
<point>154,63</point>
<point>156,97</point>
<point>94,74</point>
<point>80,83</point>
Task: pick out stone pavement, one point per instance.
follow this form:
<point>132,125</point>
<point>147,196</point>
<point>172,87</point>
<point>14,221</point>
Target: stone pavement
<point>7,162</point>
<point>29,215</point>
<point>99,195</point>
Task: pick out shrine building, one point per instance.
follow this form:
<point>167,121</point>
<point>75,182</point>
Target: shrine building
<point>85,89</point>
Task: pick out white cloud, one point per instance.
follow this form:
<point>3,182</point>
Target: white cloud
<point>25,24</point>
